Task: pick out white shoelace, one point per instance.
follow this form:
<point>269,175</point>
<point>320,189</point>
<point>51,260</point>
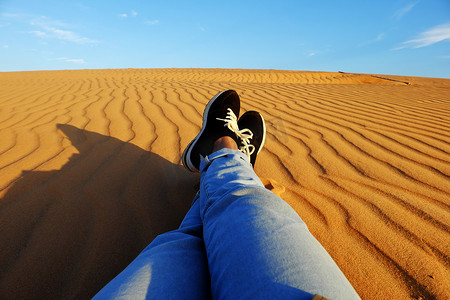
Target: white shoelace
<point>243,134</point>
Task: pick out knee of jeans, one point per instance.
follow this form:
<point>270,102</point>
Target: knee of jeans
<point>206,161</point>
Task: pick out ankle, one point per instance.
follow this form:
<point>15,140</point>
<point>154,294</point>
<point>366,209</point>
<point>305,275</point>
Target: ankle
<point>224,142</point>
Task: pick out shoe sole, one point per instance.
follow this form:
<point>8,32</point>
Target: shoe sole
<point>187,152</point>
<point>264,135</point>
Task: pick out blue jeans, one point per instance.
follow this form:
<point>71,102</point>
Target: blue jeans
<point>238,241</point>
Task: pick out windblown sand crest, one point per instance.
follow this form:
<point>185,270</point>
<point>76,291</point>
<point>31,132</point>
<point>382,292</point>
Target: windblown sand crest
<point>90,171</point>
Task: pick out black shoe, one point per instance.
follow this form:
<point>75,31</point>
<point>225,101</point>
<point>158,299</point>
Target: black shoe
<point>252,134</point>
<point>220,111</point>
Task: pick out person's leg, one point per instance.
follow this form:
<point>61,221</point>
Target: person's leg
<point>257,246</point>
<point>173,266</point>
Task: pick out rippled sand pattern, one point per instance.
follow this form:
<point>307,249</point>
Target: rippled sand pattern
<point>90,171</point>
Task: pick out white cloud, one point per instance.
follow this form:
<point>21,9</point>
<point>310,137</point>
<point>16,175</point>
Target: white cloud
<point>38,33</point>
<point>152,22</point>
<point>70,36</point>
<point>48,29</point>
<point>72,60</point>
<point>404,10</point>
<point>133,13</point>
<point>9,18</point>
<point>43,21</point>
<point>379,37</point>
<point>76,60</point>
<point>434,35</point>
<point>9,15</point>
<point>5,46</point>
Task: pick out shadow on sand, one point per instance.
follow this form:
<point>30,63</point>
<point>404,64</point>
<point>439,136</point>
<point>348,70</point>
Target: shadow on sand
<point>65,233</point>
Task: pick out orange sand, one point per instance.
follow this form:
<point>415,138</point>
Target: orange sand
<point>90,171</point>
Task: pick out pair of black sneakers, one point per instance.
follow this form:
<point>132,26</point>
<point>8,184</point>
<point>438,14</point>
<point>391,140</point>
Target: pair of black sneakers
<point>220,119</point>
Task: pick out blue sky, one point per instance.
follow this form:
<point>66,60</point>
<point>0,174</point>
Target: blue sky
<point>398,37</point>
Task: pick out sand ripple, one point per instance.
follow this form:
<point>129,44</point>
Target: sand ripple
<point>90,171</point>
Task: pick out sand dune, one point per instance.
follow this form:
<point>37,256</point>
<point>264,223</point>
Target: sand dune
<point>90,171</point>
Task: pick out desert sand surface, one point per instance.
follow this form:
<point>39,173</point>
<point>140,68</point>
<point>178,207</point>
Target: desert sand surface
<point>90,171</point>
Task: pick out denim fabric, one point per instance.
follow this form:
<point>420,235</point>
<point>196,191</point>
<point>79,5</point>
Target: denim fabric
<point>238,241</point>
